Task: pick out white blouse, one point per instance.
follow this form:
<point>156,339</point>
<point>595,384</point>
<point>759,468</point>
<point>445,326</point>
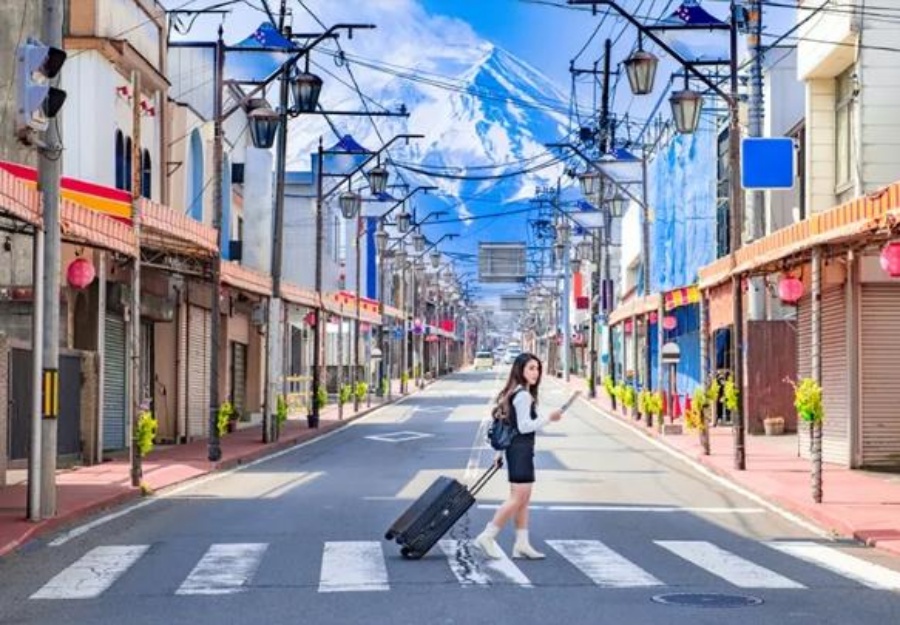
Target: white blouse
<point>522,403</point>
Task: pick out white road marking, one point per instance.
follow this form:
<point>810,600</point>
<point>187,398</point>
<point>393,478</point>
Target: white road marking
<point>602,565</point>
<point>730,567</point>
<point>93,573</point>
<point>504,570</point>
<point>641,509</point>
<point>72,534</point>
<point>717,479</point>
<point>353,566</point>
<point>463,565</point>
<point>224,569</point>
<point>857,569</point>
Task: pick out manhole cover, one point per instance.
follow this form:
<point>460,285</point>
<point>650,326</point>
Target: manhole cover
<point>707,600</point>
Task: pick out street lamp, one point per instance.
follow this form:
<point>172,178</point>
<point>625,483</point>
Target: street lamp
<point>350,203</point>
<point>381,240</point>
<point>562,231</point>
<point>378,179</point>
<point>590,183</point>
<point>418,242</point>
<point>306,88</point>
<point>641,70</point>
<point>584,250</point>
<point>263,122</point>
<point>404,220</point>
<point>435,259</point>
<point>686,107</point>
<point>618,204</point>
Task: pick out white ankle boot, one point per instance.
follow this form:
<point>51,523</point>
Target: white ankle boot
<point>487,542</point>
<point>523,548</point>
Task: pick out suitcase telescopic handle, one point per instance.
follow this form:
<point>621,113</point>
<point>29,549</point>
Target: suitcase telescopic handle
<point>482,481</point>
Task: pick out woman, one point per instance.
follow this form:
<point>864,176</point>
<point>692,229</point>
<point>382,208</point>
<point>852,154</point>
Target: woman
<point>521,391</point>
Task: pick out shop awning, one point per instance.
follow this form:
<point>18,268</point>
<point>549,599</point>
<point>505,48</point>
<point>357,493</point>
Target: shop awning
<point>343,303</point>
<point>167,230</point>
<point>682,297</point>
<point>19,201</point>
<point>246,279</point>
<point>298,295</point>
<point>850,220</point>
<point>635,307</point>
<point>87,227</point>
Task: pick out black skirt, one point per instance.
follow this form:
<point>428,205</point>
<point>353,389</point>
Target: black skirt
<point>520,459</point>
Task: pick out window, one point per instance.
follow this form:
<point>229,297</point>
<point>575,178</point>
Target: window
<point>120,160</point>
<point>128,148</point>
<point>844,111</point>
<point>798,133</point>
<point>146,175</point>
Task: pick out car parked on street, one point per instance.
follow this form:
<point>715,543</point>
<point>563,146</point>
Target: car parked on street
<point>484,360</point>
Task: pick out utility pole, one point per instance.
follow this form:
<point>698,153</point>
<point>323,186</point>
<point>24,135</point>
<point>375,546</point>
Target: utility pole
<point>135,334</point>
<point>317,325</point>
<point>756,200</point>
<point>49,172</point>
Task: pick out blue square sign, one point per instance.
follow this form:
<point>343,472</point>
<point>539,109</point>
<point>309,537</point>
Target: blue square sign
<point>767,163</point>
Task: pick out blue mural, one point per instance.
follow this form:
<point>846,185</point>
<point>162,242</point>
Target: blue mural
<point>683,200</point>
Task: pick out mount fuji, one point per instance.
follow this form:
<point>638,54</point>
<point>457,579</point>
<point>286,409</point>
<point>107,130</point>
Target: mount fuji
<point>485,130</point>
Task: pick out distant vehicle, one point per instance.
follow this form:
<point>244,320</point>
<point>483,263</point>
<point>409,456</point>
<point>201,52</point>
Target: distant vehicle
<point>484,360</point>
<point>511,354</point>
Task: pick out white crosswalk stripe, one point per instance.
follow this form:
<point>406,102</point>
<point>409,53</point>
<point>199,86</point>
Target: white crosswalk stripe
<point>857,569</point>
<point>734,569</point>
<point>224,569</point>
<point>353,566</point>
<point>90,576</point>
<point>471,569</point>
<point>602,565</point>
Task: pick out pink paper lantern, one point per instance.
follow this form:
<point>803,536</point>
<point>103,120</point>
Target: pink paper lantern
<point>890,259</point>
<point>790,289</point>
<point>654,317</point>
<point>629,326</point>
<point>670,322</point>
<point>80,273</point>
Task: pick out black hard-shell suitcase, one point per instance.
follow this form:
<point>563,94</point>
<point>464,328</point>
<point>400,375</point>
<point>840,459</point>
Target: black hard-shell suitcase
<point>434,513</point>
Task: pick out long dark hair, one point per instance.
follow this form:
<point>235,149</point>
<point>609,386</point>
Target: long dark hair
<point>517,377</point>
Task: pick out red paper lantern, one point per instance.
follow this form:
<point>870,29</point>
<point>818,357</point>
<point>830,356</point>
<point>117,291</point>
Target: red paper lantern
<point>890,259</point>
<point>629,326</point>
<point>310,319</point>
<point>670,322</point>
<point>80,273</point>
<point>790,289</point>
<point>654,317</point>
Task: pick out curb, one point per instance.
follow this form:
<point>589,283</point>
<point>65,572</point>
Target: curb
<point>886,541</point>
<point>47,526</point>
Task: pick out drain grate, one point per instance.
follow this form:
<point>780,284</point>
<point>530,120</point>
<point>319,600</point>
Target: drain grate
<point>706,600</point>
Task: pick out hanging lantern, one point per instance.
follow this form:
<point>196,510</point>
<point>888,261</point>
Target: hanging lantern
<point>669,322</point>
<point>350,203</point>
<point>378,179</point>
<point>418,242</point>
<point>80,273</point>
<point>403,221</point>
<point>629,326</point>
<point>654,317</point>
<point>890,259</point>
<point>310,318</point>
<point>381,240</point>
<point>435,259</point>
<point>263,122</point>
<point>306,88</point>
<point>590,183</point>
<point>640,68</point>
<point>686,106</point>
<point>790,289</point>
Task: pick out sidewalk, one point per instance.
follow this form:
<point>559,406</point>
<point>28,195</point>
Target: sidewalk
<point>84,491</point>
<point>863,505</point>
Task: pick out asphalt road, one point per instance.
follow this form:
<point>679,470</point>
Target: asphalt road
<point>299,538</point>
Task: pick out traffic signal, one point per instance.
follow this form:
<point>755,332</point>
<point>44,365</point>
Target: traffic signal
<point>37,102</point>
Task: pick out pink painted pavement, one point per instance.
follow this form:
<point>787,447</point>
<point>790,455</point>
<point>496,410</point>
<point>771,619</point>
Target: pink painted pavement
<point>860,504</point>
<point>85,491</point>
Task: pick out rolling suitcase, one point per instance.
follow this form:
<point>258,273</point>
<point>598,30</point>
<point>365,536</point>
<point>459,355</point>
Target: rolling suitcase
<point>434,513</point>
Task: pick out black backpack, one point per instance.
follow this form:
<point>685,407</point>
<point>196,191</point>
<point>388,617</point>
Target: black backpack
<point>503,428</point>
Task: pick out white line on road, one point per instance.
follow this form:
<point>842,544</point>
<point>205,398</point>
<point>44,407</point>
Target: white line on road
<point>641,509</point>
<point>730,567</point>
<point>353,566</point>
<point>463,565</point>
<point>93,573</point>
<point>225,569</point>
<point>857,569</point>
<point>504,569</point>
<point>721,481</point>
<point>602,565</point>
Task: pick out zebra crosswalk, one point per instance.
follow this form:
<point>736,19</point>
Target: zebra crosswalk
<point>366,566</point>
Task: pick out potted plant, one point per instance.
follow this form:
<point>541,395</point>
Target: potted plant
<point>281,414</point>
<point>773,426</point>
<point>361,390</point>
<point>345,393</point>
<point>145,432</point>
<point>811,410</point>
<point>226,418</point>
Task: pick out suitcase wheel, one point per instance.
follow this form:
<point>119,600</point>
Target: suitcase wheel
<point>409,554</point>
<point>389,535</point>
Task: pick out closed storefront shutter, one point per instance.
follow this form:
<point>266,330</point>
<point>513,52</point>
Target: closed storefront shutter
<point>114,384</point>
<point>880,342</point>
<point>198,372</point>
<point>835,378</point>
<point>238,376</point>
<point>804,361</point>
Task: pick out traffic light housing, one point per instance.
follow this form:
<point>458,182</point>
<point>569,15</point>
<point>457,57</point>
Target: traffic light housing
<point>37,101</point>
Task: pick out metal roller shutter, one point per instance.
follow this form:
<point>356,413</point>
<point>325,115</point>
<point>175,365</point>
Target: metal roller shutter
<point>238,376</point>
<point>114,384</point>
<point>880,341</point>
<point>804,361</point>
<point>835,379</point>
<point>198,372</point>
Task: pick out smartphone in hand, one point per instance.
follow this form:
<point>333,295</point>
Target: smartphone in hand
<point>570,401</point>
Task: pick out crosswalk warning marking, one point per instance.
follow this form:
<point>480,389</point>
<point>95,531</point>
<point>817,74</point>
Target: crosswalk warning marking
<point>866,573</point>
<point>602,565</point>
<point>353,566</point>
<point>730,567</point>
<point>225,568</point>
<point>93,573</point>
